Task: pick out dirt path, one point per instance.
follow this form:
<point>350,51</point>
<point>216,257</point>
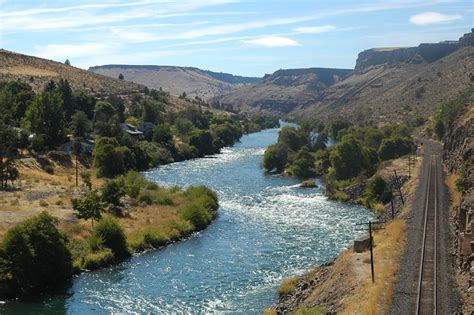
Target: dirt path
<point>405,293</point>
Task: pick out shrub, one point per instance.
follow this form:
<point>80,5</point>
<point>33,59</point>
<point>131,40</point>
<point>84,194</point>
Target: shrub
<point>109,230</point>
<point>462,184</point>
<point>43,203</point>
<point>99,259</point>
<point>145,197</point>
<point>395,147</point>
<point>308,184</point>
<point>181,227</point>
<point>112,191</point>
<point>34,257</point>
<point>149,239</point>
<point>288,286</point>
<point>133,182</point>
<point>376,188</point>
<point>49,169</point>
<point>59,156</point>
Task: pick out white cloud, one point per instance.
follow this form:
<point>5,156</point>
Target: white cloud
<point>314,29</point>
<point>55,51</point>
<point>428,18</point>
<point>272,41</point>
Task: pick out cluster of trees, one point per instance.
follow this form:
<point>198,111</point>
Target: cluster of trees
<point>188,133</point>
<point>43,120</point>
<point>303,152</point>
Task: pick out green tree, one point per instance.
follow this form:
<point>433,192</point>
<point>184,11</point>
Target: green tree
<point>107,159</point>
<point>112,192</point>
<point>111,233</point>
<point>86,179</point>
<point>67,62</point>
<point>183,126</point>
<point>88,207</point>
<point>376,189</point>
<point>80,125</point>
<point>275,157</point>
<point>65,91</point>
<point>152,112</point>
<point>103,111</point>
<point>8,150</point>
<point>293,138</point>
<point>163,135</point>
<point>202,140</point>
<point>45,116</point>
<point>303,165</point>
<point>120,76</point>
<point>34,258</point>
<point>347,158</point>
<point>85,103</point>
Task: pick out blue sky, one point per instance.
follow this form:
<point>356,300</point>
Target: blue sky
<point>237,36</point>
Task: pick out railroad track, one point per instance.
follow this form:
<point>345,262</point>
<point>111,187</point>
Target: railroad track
<point>426,300</point>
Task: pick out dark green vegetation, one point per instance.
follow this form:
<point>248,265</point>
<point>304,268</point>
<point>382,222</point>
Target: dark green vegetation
<point>358,150</point>
<point>34,257</point>
<point>125,133</point>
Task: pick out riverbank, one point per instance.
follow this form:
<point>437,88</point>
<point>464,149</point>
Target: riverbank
<point>149,216</point>
<point>344,285</point>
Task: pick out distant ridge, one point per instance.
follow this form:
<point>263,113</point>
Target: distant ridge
<point>191,80</point>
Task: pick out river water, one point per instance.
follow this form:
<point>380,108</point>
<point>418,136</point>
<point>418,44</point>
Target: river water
<point>267,229</point>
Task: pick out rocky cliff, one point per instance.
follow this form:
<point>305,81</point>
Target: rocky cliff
<point>424,53</point>
<point>459,160</point>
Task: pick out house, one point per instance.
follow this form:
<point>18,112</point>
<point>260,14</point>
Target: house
<point>147,129</point>
<point>132,131</point>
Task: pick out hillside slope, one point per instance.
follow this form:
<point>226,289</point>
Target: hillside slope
<point>37,71</point>
<point>195,82</point>
<point>284,90</point>
<point>396,91</point>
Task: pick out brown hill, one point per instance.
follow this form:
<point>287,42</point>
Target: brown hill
<point>284,90</point>
<point>387,85</point>
<point>396,91</point>
<point>37,71</point>
<point>195,82</point>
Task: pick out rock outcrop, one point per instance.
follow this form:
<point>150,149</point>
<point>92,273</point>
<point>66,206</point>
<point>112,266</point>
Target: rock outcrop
<point>458,158</point>
<point>424,53</point>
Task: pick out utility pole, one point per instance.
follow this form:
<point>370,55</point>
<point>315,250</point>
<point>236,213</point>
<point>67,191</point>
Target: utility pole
<point>399,186</point>
<point>372,228</point>
<point>371,252</point>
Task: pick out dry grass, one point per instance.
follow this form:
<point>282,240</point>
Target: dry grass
<point>375,298</point>
<point>154,216</point>
<point>288,286</point>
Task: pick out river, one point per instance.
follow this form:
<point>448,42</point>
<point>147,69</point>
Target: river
<point>267,229</point>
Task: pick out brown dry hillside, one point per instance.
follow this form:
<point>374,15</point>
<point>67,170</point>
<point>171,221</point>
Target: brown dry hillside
<point>37,71</point>
<point>176,80</point>
<point>284,90</point>
<point>397,91</point>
